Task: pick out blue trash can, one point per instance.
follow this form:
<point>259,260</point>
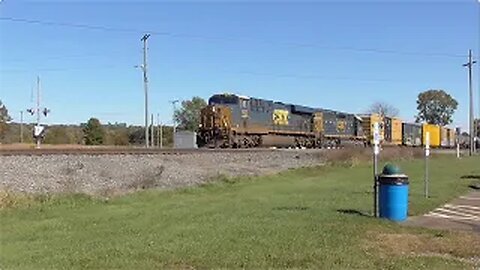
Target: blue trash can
<point>393,194</point>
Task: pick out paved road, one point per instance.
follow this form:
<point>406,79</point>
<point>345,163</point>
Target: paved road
<point>462,213</point>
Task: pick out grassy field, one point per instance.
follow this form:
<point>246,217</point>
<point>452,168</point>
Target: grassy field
<point>305,218</point>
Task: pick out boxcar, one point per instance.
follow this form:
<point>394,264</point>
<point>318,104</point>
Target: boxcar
<point>393,130</point>
<point>434,131</point>
<point>411,134</point>
<point>444,137</point>
<point>451,137</point>
<point>368,121</point>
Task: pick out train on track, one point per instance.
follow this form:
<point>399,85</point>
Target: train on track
<point>234,121</point>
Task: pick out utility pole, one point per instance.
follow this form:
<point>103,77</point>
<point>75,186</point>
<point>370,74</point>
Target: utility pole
<point>21,126</point>
<point>152,142</point>
<point>38,111</point>
<point>470,87</point>
<point>158,130</point>
<point>145,85</point>
<point>161,135</point>
<point>37,129</point>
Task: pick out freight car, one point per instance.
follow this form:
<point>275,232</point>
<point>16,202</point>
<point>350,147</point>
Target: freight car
<point>393,131</point>
<point>434,131</point>
<point>411,134</point>
<point>234,121</point>
<point>368,121</point>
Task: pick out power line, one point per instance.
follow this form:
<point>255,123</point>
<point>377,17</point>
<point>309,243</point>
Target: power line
<point>60,57</point>
<point>294,44</point>
<point>60,69</point>
<point>239,72</point>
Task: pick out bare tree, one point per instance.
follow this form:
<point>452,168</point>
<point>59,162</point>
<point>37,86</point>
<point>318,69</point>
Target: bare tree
<point>383,109</point>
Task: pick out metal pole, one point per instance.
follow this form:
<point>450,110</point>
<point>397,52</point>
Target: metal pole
<point>152,138</point>
<point>174,122</point>
<point>426,176</point>
<point>427,154</point>
<point>21,126</point>
<point>470,88</point>
<point>145,85</point>
<point>38,110</point>
<point>161,135</point>
<point>376,151</point>
<point>158,130</point>
<point>375,184</point>
<point>458,150</point>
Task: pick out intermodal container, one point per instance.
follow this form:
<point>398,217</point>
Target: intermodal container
<point>396,131</point>
<point>444,137</point>
<point>451,137</point>
<point>434,131</point>
<point>368,121</point>
<point>411,134</point>
<point>387,121</point>
<point>393,130</point>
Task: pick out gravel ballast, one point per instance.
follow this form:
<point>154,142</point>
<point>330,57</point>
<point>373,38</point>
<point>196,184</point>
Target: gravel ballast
<point>109,174</point>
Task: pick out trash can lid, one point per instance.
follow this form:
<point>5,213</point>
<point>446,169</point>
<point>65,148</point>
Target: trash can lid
<point>391,169</point>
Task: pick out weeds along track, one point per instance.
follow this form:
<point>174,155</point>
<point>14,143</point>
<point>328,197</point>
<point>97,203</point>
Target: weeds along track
<point>118,151</point>
<point>98,151</point>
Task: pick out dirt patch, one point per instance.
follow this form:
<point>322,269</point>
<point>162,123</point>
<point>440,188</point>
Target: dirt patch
<point>461,246</point>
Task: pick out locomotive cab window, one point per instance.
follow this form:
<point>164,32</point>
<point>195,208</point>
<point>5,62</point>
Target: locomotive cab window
<point>223,99</point>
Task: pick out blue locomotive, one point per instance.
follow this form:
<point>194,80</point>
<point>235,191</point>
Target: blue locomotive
<point>234,121</point>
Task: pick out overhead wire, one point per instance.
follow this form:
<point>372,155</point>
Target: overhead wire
<point>294,44</point>
<point>131,30</point>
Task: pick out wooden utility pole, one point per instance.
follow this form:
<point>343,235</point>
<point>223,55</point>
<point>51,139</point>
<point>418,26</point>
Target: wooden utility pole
<point>145,85</point>
<point>152,127</point>
<point>21,126</point>
<point>158,130</point>
<point>469,65</point>
<point>38,138</point>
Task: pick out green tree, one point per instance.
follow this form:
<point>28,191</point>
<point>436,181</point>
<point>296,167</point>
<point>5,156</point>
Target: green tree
<point>93,132</point>
<point>188,116</point>
<point>4,118</point>
<point>436,107</point>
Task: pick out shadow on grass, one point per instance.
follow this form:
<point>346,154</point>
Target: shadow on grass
<point>474,186</point>
<point>470,176</point>
<point>353,212</point>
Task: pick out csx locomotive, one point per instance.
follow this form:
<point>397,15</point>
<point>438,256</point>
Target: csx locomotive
<point>238,121</point>
<point>234,121</point>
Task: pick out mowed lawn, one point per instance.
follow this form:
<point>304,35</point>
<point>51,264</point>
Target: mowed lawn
<point>304,218</point>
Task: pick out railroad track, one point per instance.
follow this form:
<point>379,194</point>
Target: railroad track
<point>117,151</point>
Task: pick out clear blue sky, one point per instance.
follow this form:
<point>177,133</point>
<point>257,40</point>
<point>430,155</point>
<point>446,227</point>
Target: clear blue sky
<point>340,56</point>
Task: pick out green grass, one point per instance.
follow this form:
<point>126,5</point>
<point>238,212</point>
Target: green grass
<point>289,220</point>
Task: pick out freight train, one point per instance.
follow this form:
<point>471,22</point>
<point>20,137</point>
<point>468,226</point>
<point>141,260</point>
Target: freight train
<point>234,121</point>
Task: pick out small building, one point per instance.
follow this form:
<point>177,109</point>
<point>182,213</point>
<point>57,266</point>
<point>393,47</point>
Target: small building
<point>184,139</point>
